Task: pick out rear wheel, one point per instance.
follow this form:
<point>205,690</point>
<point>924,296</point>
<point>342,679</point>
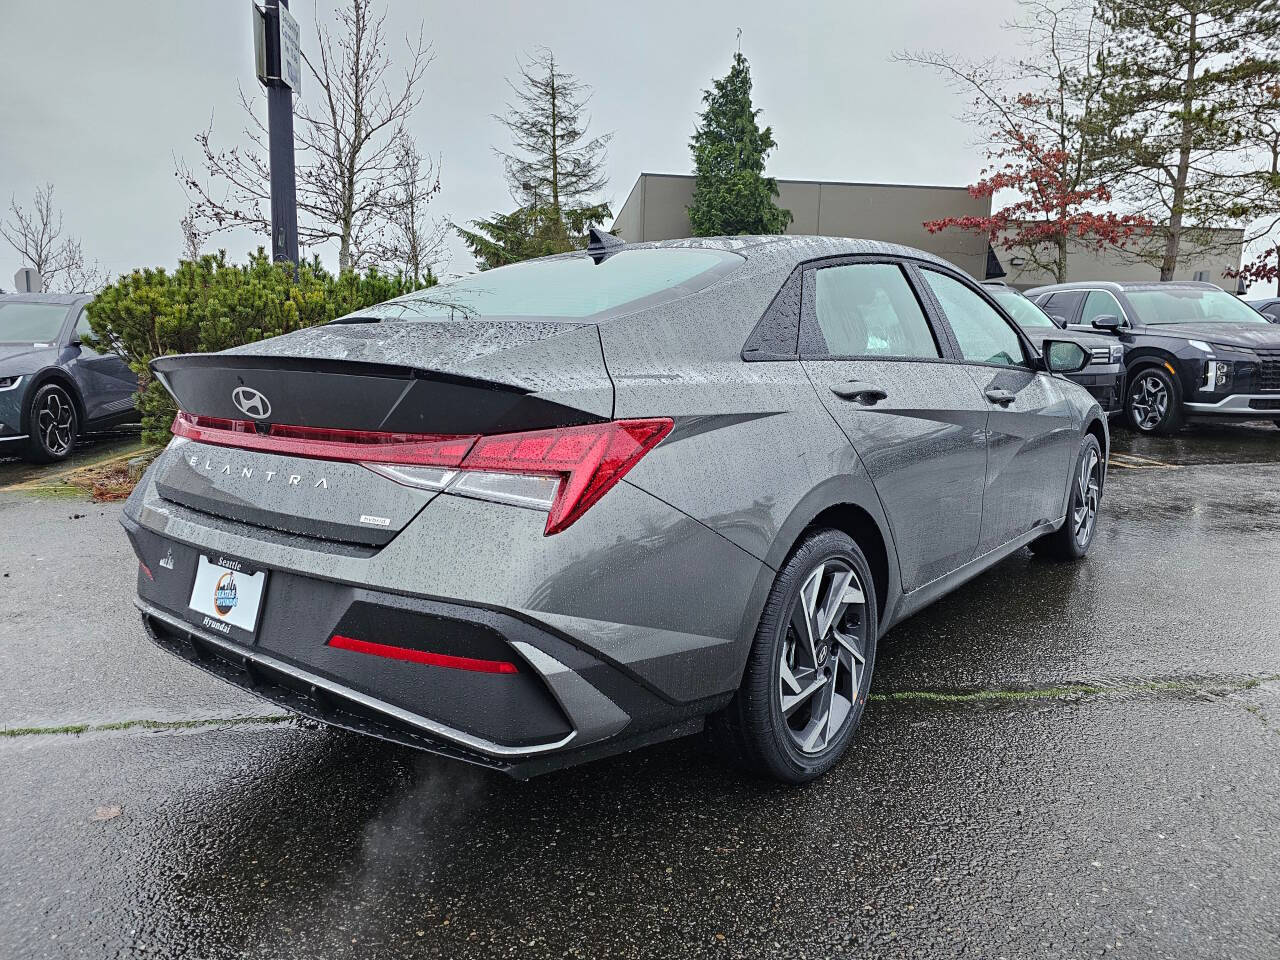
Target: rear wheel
<point>52,424</point>
<point>809,671</point>
<point>1072,540</point>
<point>1154,402</point>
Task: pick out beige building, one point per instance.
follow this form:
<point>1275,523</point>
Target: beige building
<point>656,209</point>
<point>1204,255</point>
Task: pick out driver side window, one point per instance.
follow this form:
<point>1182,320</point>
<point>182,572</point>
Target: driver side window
<point>82,325</point>
<point>1099,303</point>
<point>984,336</point>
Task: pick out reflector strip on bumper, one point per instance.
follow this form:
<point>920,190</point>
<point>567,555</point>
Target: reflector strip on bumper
<point>420,656</point>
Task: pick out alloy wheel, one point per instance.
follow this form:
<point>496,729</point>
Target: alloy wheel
<point>822,667</point>
<point>1149,401</point>
<point>1088,493</point>
<point>55,422</point>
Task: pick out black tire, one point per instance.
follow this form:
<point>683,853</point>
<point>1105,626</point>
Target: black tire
<point>52,424</point>
<point>1142,403</point>
<point>1072,540</point>
<point>754,730</point>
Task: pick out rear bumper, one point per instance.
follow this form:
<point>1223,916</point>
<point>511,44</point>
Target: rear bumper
<point>601,667</point>
<point>316,696</point>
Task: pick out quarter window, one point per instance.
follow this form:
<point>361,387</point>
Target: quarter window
<point>984,336</point>
<point>1099,303</point>
<point>869,310</point>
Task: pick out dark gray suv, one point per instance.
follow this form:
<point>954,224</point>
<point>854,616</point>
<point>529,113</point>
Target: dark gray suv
<point>53,385</point>
<point>580,504</point>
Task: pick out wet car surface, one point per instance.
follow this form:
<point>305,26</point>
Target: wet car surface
<point>1058,761</point>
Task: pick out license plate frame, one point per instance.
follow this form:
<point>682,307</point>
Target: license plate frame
<point>227,597</point>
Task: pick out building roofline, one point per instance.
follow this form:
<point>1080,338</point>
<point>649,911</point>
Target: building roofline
<point>832,183</point>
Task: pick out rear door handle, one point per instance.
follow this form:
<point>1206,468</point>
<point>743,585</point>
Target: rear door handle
<point>1002,397</point>
<point>867,394</point>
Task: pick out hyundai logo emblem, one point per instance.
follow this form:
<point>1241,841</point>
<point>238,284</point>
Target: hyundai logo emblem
<point>251,402</point>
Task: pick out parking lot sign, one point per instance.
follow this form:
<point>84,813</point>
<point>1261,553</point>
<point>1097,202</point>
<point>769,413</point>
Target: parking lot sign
<point>290,51</point>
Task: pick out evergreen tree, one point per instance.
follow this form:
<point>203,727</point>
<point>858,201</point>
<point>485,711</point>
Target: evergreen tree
<point>732,195</point>
<point>1178,98</point>
<point>555,170</point>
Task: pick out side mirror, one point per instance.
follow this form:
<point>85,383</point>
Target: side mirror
<point>1107,322</point>
<point>1065,356</point>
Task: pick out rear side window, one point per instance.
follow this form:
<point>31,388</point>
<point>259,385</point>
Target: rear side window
<point>984,336</point>
<point>869,310</point>
<point>565,287</point>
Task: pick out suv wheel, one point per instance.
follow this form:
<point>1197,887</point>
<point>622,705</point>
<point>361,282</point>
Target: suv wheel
<point>1072,540</point>
<point>809,671</point>
<point>1154,402</point>
<point>52,424</point>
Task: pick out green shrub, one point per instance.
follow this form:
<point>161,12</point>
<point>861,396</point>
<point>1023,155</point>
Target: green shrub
<point>209,304</point>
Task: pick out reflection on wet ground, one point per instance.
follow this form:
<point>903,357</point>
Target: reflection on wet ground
<point>90,448</point>
<point>994,803</point>
<point>1203,442</point>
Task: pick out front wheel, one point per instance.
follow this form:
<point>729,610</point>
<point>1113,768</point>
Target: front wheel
<point>809,671</point>
<point>1072,540</point>
<point>1154,402</point>
<point>51,424</point>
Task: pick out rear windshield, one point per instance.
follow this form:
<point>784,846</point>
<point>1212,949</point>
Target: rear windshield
<point>1021,309</point>
<point>31,322</point>
<point>1191,306</point>
<point>564,287</point>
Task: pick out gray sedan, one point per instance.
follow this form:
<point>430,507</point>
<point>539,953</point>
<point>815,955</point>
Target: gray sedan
<point>581,504</point>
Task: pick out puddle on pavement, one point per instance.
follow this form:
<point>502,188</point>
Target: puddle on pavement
<point>1198,443</point>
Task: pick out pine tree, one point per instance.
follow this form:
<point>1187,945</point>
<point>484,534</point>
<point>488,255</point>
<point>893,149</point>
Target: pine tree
<point>1180,75</point>
<point>555,170</point>
<point>732,195</point>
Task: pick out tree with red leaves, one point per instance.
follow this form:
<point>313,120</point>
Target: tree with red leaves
<point>1038,116</point>
<point>1054,210</point>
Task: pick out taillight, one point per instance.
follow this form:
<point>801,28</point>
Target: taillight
<point>588,460</point>
<point>323,443</point>
<point>563,470</point>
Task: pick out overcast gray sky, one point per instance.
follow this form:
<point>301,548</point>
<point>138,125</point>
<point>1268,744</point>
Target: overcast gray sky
<point>99,97</point>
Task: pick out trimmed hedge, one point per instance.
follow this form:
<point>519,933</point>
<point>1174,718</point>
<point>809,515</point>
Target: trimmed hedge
<point>209,304</point>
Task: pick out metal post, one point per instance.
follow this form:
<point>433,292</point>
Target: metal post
<point>284,200</point>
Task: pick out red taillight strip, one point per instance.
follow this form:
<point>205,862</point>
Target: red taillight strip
<point>589,458</point>
<point>421,656</point>
<point>323,443</point>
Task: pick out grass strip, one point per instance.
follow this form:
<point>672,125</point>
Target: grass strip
<point>76,728</point>
<point>1071,690</point>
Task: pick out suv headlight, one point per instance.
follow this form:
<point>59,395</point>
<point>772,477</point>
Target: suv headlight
<point>9,383</point>
<point>1217,374</point>
<point>1117,353</point>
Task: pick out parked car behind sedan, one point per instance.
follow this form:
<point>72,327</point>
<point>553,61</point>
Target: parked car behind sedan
<point>576,505</point>
<point>53,385</point>
<point>1191,348</point>
<point>1269,308</point>
<point>1103,377</point>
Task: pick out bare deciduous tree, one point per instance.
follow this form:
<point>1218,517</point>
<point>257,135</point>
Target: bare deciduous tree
<point>413,243</point>
<point>349,125</point>
<point>36,234</point>
<point>192,237</point>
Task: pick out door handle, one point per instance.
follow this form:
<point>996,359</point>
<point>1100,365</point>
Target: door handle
<point>1002,397</point>
<point>867,394</point>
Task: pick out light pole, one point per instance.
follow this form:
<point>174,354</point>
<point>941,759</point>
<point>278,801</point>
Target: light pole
<point>279,70</point>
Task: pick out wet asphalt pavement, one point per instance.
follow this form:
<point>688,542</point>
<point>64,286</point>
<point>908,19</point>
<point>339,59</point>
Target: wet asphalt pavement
<point>1060,761</point>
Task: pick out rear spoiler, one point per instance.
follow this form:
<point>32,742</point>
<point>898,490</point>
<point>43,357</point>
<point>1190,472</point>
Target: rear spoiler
<point>354,395</point>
